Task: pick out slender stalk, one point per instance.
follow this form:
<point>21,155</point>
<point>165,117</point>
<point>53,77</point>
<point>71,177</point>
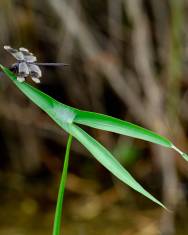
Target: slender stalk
<point>59,205</point>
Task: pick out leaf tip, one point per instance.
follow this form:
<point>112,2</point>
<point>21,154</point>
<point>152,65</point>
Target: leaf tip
<point>184,155</point>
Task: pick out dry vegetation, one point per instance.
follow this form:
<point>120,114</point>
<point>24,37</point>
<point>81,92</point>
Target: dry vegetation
<point>129,60</point>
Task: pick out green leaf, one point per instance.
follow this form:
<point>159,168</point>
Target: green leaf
<point>71,115</point>
<point>107,160</point>
<point>44,101</point>
<point>65,117</point>
<point>104,157</point>
<point>107,123</point>
<point>95,120</point>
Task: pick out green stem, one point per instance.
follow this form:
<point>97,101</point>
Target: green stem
<point>59,205</point>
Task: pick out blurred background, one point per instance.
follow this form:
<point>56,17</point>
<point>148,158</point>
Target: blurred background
<point>128,59</point>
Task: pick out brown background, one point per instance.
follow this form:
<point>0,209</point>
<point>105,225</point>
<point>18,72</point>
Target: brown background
<point>128,59</point>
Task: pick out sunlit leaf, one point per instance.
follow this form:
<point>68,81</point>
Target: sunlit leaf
<point>66,116</point>
<point>108,160</point>
<point>115,125</point>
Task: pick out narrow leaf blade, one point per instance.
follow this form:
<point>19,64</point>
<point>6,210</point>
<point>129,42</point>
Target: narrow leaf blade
<point>44,101</point>
<point>57,111</point>
<point>95,120</point>
<point>107,123</point>
<point>107,160</point>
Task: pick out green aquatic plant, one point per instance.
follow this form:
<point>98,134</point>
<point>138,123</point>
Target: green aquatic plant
<point>69,119</point>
